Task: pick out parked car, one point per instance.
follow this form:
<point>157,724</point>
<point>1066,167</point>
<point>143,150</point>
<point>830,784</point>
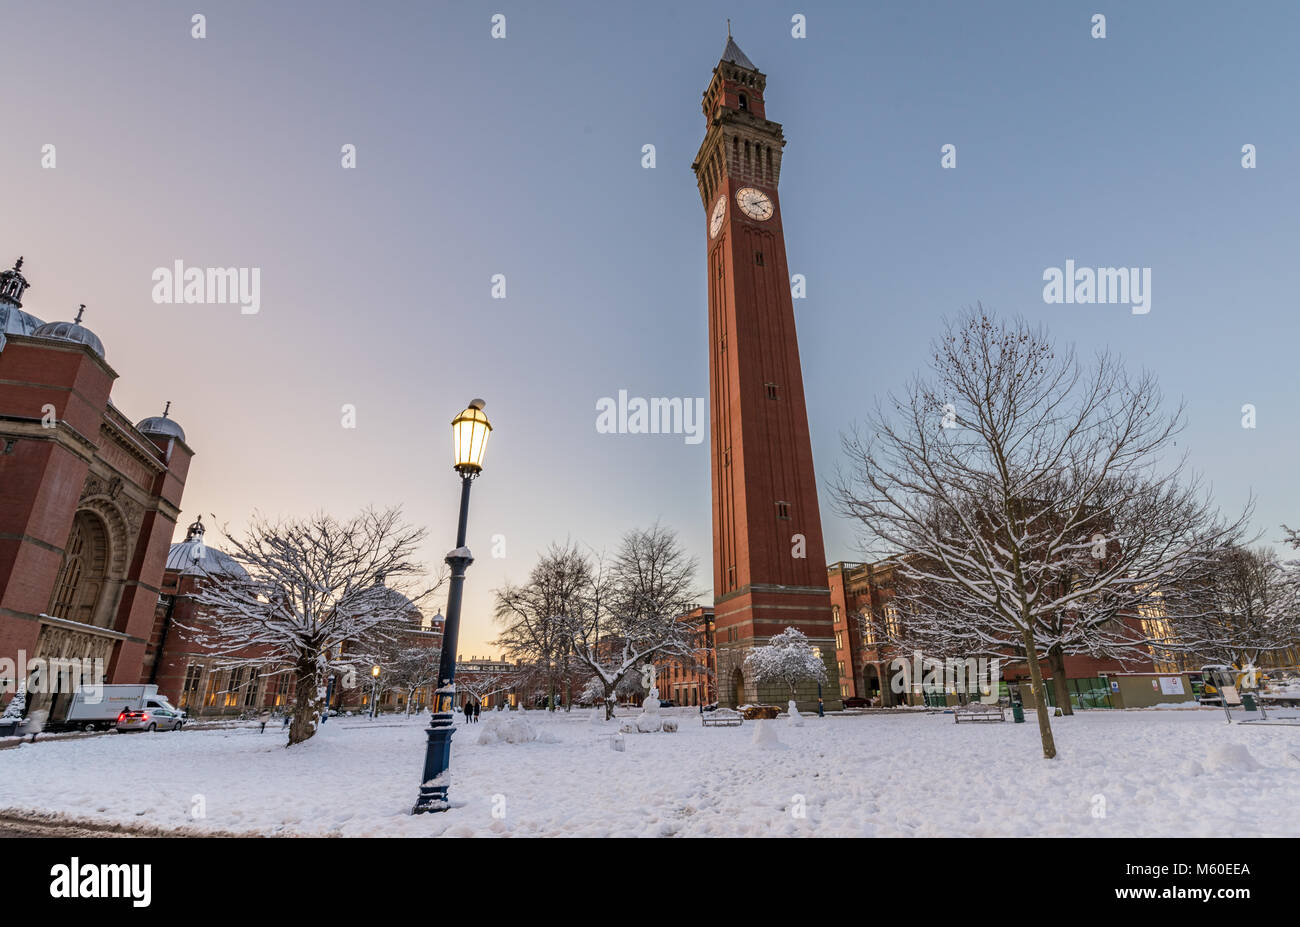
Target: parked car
<point>157,714</point>
<point>856,701</point>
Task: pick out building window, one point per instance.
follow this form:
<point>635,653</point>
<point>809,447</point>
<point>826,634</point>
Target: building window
<point>839,640</point>
<point>744,101</point>
<point>773,391</point>
<point>758,258</point>
<point>835,610</point>
<point>783,510</point>
<point>190,688</point>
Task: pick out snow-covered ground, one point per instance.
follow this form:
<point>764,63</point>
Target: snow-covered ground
<point>1119,773</point>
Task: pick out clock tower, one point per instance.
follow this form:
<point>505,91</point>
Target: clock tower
<point>769,565</point>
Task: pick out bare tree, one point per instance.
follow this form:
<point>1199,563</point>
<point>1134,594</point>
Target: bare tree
<point>633,608</point>
<point>1245,607</point>
<point>484,683</point>
<point>534,615</point>
<point>608,618</point>
<point>316,589</point>
<point>409,668</point>
<point>1028,495</point>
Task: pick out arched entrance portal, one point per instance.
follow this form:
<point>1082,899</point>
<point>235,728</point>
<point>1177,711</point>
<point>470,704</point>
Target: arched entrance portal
<point>80,581</point>
<point>738,687</point>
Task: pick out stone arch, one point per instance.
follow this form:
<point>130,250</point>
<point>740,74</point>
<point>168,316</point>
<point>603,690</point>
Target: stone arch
<point>737,688</point>
<point>88,586</point>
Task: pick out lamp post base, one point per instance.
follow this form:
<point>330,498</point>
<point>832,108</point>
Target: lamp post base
<point>437,759</point>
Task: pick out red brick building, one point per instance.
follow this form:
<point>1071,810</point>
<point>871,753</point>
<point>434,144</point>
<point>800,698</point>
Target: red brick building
<point>88,502</point>
<point>768,556</point>
<point>692,681</point>
<point>863,663</point>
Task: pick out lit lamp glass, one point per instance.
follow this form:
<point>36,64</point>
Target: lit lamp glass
<point>470,430</point>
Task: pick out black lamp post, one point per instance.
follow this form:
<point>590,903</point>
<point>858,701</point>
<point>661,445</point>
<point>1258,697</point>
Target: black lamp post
<point>470,430</point>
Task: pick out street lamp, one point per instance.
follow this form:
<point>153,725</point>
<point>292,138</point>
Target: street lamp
<point>817,652</point>
<point>374,690</point>
<point>470,430</point>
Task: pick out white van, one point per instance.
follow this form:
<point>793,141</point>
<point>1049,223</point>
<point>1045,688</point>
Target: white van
<point>99,707</point>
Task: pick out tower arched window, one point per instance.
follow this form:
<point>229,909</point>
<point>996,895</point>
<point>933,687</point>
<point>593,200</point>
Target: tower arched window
<point>744,101</point>
<point>80,581</point>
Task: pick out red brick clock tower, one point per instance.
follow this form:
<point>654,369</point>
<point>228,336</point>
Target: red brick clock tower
<point>769,565</point>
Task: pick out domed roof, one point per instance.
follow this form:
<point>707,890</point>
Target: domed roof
<point>161,425</point>
<point>193,556</point>
<point>72,331</point>
<point>14,321</point>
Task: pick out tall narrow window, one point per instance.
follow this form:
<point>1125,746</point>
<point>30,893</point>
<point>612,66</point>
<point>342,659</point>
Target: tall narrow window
<point>783,510</point>
<point>773,391</point>
<point>758,258</point>
<point>744,101</point>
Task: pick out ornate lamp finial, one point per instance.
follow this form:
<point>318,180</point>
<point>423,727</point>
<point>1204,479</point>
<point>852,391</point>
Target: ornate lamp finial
<point>728,28</point>
<point>167,408</point>
<point>80,310</point>
<point>18,264</point>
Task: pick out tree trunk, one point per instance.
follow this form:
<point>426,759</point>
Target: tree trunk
<point>609,702</point>
<point>307,699</point>
<point>1056,660</point>
<point>1040,695</point>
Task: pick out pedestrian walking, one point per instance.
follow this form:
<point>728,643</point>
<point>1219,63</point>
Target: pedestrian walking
<point>264,717</point>
<point>478,707</point>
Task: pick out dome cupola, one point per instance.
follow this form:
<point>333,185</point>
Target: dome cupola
<point>161,425</point>
<point>194,556</point>
<point>72,331</point>
<point>13,320</point>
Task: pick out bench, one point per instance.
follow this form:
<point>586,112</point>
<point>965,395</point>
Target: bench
<point>977,711</point>
<point>722,717</point>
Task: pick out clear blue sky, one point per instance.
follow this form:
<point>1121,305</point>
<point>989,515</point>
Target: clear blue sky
<point>522,156</point>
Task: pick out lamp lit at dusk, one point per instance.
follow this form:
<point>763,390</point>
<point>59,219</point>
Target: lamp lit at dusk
<point>470,430</point>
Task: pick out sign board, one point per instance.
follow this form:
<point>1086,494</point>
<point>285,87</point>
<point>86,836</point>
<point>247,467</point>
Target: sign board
<point>1171,685</point>
<point>1114,685</point>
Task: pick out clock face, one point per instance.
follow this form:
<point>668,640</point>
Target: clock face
<point>754,203</point>
<point>715,220</point>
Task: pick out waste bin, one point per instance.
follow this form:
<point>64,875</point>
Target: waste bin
<point>1017,713</point>
<point>1248,701</point>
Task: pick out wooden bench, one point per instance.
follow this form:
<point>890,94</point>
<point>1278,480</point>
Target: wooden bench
<point>977,711</point>
<point>722,717</point>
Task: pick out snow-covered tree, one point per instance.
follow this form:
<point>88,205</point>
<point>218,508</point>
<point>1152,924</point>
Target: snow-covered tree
<point>632,608</point>
<point>484,683</point>
<point>787,658</point>
<point>1026,498</point>
<point>534,615</point>
<point>1247,605</point>
<point>608,618</point>
<point>409,668</point>
<point>316,590</point>
<point>14,710</point>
